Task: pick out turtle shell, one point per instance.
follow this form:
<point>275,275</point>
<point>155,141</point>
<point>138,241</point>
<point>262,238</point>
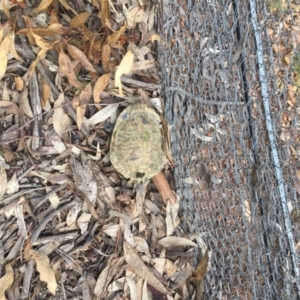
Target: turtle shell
<point>136,145</point>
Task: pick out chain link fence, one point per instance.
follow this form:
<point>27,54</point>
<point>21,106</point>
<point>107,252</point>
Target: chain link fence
<point>229,72</point>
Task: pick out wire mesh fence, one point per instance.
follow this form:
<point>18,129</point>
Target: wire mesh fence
<point>229,72</point>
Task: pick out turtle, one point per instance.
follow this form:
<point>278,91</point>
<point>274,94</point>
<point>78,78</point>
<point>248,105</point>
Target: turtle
<point>137,143</point>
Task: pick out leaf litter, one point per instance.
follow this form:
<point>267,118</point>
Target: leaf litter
<point>67,218</point>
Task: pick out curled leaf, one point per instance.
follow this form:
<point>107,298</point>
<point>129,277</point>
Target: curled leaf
<point>4,50</point>
<point>43,267</point>
<point>3,62</point>
<point>13,51</point>
<point>175,241</point>
<point>60,119</point>
<point>43,44</point>
<point>6,281</point>
<point>41,55</point>
<point>9,107</point>
<point>3,179</point>
<point>124,68</point>
<point>19,83</point>
<point>135,263</point>
<point>68,7</point>
<point>133,16</point>
<point>100,85</point>
<point>43,5</point>
<point>66,67</point>
<point>77,54</point>
<point>84,99</point>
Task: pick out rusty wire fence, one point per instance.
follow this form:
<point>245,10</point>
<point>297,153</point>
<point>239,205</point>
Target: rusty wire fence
<point>229,71</point>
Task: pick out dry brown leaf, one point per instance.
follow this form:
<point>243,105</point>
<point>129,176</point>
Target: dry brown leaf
<point>46,92</point>
<point>80,19</point>
<point>5,29</point>
<point>95,3</point>
<point>159,264</point>
<point>152,207</point>
<point>104,13</point>
<point>43,5</point>
<point>105,56</point>
<point>170,268</point>
<point>102,281</point>
<point>17,211</point>
<point>95,46</point>
<point>1,33</point>
<point>76,101</point>
<point>5,5</point>
<point>4,50</point>
<point>29,24</point>
<point>55,178</point>
<point>80,56</point>
<point>19,83</point>
<point>65,65</point>
<point>24,103</point>
<point>9,107</point>
<point>133,16</point>
<point>137,265</point>
<point>175,241</point>
<point>172,220</point>
<point>73,215</point>
<point>80,112</point>
<point>85,94</point>
<point>132,288</point>
<point>124,68</point>
<point>102,115</point>
<point>53,198</point>
<point>100,85</point>
<point>140,198</point>
<point>6,281</point>
<point>60,119</point>
<point>3,179</point>
<point>12,49</point>
<point>112,230</point>
<point>68,7</point>
<point>3,62</point>
<point>52,29</point>
<point>113,266</point>
<point>13,184</point>
<point>43,44</point>
<point>41,55</point>
<point>112,39</point>
<point>84,99</point>
<point>142,245</point>
<point>83,222</point>
<point>145,291</point>
<point>26,252</point>
<point>46,272</point>
<point>201,269</point>
<point>163,187</point>
<point>139,288</point>
<point>182,277</point>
